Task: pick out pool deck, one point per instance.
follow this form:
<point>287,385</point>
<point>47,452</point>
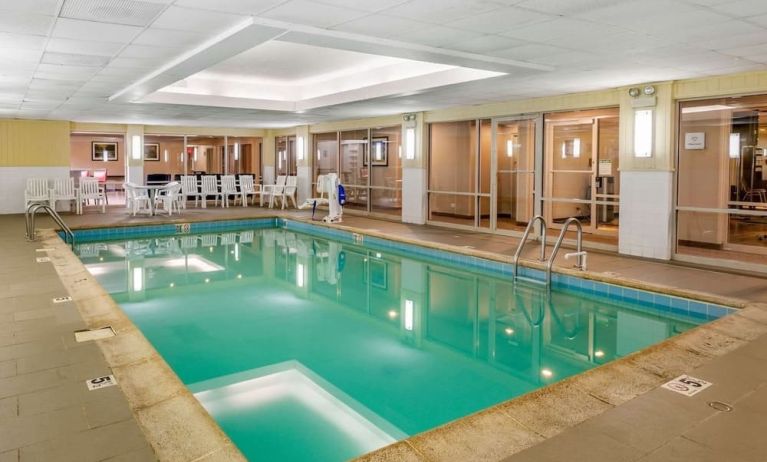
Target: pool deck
<point>613,412</point>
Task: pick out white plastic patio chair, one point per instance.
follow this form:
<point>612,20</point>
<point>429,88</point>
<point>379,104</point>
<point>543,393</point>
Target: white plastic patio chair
<point>64,190</point>
<point>90,190</point>
<point>168,197</point>
<point>273,190</point>
<point>246,237</point>
<point>249,188</point>
<point>138,199</point>
<point>210,188</point>
<point>228,188</point>
<point>37,192</point>
<point>189,189</point>
<point>289,192</point>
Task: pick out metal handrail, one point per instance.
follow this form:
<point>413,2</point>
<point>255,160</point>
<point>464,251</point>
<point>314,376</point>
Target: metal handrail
<point>579,253</point>
<point>29,218</point>
<point>524,240</point>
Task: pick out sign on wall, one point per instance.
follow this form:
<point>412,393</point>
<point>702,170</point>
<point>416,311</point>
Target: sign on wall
<point>695,140</point>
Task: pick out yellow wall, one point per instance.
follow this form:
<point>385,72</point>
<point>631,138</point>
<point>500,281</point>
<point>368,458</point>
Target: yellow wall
<point>33,143</point>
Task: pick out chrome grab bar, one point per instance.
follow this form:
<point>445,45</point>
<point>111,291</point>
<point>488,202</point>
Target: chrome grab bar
<point>579,253</point>
<point>521,245</point>
<point>29,218</point>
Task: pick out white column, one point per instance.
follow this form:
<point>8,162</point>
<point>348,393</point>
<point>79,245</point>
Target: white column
<point>134,167</point>
<point>414,179</point>
<point>303,163</point>
<point>646,213</point>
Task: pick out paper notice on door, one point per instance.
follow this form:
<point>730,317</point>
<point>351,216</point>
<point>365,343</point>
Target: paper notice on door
<point>605,167</point>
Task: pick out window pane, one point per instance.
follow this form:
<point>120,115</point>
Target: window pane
<point>515,143</point>
<point>452,156</point>
<point>452,208</point>
<point>721,165</point>
<point>386,169</point>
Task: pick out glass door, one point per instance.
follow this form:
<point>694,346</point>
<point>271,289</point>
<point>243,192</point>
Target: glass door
<point>515,173</point>
<point>581,165</point>
<point>570,187</point>
<point>354,172</point>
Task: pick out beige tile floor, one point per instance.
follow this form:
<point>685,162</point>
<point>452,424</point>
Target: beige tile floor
<point>46,414</point>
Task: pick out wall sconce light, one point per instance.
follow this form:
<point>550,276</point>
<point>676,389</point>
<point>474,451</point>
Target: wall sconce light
<point>409,314</point>
<point>138,279</point>
<point>165,155</point>
<point>734,145</point>
<point>136,147</point>
<point>194,149</point>
<point>410,143</point>
<point>300,275</point>
<point>300,148</point>
<point>509,148</point>
<point>236,151</point>
<point>643,135</point>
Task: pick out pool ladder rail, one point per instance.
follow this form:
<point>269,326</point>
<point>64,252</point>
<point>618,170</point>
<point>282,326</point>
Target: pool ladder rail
<point>29,218</point>
<point>579,253</point>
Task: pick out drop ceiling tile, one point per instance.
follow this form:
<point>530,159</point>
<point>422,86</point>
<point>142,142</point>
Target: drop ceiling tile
<point>566,7</point>
<point>87,30</point>
<point>84,47</point>
<point>742,8</point>
<point>500,20</point>
<point>44,7</point>
<point>754,50</point>
<point>486,43</point>
<point>371,6</point>
<point>380,25</point>
<point>14,55</point>
<point>68,70</point>
<point>135,63</point>
<point>156,52</point>
<point>170,38</point>
<point>437,36</point>
<point>187,19</point>
<point>25,23</point>
<point>53,85</point>
<point>22,41</point>
<point>231,6</point>
<point>312,14</point>
<point>657,16</point>
<point>531,50</point>
<point>74,59</point>
<point>442,11</point>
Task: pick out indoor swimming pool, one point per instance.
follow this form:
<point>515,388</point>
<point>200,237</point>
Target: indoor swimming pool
<point>310,343</point>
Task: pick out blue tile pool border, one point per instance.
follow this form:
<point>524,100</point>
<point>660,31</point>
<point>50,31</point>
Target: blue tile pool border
<point>662,304</point>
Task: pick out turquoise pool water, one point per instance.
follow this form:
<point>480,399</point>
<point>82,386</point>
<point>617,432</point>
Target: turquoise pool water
<point>309,348</point>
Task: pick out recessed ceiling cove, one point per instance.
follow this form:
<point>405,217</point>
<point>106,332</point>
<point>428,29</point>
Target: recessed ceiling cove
<point>284,76</point>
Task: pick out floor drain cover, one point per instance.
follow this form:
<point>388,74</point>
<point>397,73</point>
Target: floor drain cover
<point>720,406</point>
<point>94,334</point>
<point>62,299</point>
<point>43,259</point>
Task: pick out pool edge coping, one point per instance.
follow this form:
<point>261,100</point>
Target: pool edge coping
<point>682,352</point>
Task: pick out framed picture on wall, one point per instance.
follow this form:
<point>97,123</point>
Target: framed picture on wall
<point>379,152</point>
<point>100,149</point>
<point>152,152</point>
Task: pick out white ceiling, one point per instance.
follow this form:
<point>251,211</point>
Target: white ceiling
<point>286,76</point>
<point>64,59</point>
